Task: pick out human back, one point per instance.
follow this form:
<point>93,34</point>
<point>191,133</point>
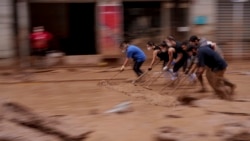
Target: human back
<point>135,53</point>
<point>208,57</point>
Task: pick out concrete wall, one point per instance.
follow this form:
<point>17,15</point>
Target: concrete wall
<point>197,8</point>
<point>6,30</point>
<point>203,8</point>
<point>165,19</point>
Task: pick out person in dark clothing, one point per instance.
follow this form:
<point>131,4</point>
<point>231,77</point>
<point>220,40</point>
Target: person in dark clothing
<point>159,51</point>
<point>177,56</point>
<point>207,57</point>
<point>198,43</point>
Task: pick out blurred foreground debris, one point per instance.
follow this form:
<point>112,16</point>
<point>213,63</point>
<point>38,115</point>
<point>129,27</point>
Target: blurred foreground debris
<point>123,107</point>
<point>234,132</point>
<point>224,133</point>
<point>224,121</point>
<point>167,134</point>
<point>22,118</point>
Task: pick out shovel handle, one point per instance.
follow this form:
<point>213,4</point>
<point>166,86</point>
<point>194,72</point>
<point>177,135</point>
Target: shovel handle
<point>115,75</point>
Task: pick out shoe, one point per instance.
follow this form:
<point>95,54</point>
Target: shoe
<point>171,70</point>
<point>225,96</point>
<point>175,76</point>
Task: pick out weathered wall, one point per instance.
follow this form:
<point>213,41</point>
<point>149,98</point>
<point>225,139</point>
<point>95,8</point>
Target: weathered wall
<point>203,8</point>
<point>6,33</point>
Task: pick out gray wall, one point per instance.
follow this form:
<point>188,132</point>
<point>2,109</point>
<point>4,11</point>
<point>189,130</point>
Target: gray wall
<point>6,30</point>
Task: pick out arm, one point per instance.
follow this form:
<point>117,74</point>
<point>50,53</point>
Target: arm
<point>213,45</point>
<point>191,69</point>
<point>153,58</point>
<point>125,62</point>
<point>179,56</point>
<point>201,64</point>
<point>193,65</point>
<point>216,48</point>
<point>171,56</point>
<point>129,54</point>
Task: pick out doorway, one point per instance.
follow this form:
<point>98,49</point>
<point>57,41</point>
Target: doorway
<point>72,25</point>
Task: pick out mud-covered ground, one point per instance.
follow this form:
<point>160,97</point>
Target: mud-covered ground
<point>74,100</point>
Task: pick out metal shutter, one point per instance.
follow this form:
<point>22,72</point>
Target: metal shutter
<point>233,28</point>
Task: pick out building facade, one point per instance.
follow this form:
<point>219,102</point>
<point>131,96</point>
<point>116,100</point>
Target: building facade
<point>94,27</point>
<point>7,34</point>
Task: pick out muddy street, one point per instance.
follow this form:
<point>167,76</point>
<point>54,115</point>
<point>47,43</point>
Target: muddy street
<point>73,99</point>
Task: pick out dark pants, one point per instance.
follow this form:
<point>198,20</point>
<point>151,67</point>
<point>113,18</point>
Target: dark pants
<point>178,65</point>
<point>136,68</point>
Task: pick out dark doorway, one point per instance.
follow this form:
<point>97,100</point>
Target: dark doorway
<point>81,29</point>
<point>72,24</point>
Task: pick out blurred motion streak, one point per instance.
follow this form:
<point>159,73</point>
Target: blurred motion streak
<point>95,28</point>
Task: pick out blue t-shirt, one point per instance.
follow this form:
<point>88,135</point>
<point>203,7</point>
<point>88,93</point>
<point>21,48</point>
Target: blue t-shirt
<point>208,57</point>
<point>135,53</point>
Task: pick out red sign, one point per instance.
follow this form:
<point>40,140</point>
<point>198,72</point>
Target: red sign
<point>110,28</point>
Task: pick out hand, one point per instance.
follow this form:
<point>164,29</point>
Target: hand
<point>198,74</point>
<point>186,72</point>
<point>165,68</point>
<point>192,76</point>
<point>173,63</point>
<point>122,68</point>
<point>149,69</point>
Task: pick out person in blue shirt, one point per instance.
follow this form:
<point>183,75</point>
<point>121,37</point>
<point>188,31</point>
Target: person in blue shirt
<point>135,53</point>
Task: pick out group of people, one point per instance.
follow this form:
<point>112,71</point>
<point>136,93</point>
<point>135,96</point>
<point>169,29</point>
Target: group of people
<point>195,56</point>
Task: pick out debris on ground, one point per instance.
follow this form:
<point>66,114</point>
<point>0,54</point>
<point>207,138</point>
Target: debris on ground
<point>234,132</point>
<point>167,134</point>
<point>123,107</point>
<point>21,117</point>
<point>139,92</point>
